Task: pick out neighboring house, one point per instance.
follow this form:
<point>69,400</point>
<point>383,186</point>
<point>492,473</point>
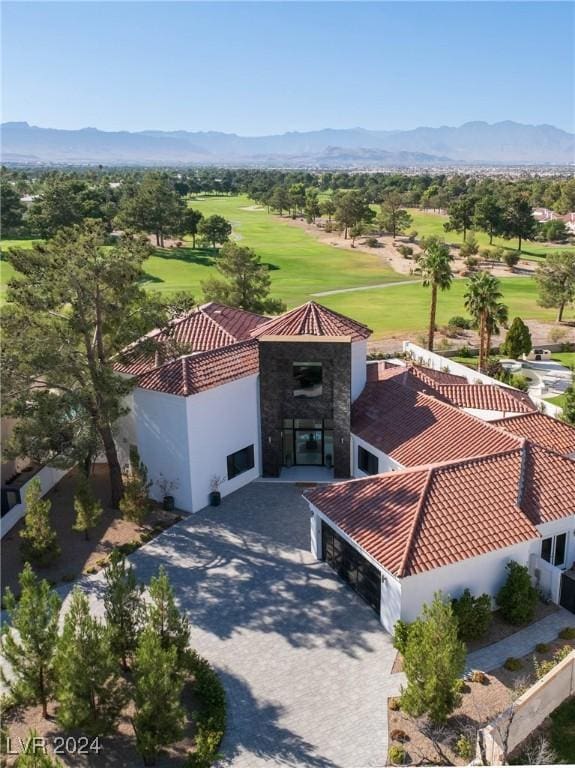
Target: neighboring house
<point>453,478</point>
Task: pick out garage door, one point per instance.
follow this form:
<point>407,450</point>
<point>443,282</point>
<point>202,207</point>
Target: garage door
<point>348,563</point>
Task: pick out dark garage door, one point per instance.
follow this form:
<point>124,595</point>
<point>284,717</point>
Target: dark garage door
<point>347,562</point>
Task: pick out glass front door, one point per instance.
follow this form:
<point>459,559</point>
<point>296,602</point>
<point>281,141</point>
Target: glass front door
<point>307,442</point>
<point>309,446</point>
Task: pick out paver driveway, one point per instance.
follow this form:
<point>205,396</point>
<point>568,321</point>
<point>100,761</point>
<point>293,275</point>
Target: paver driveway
<point>304,661</point>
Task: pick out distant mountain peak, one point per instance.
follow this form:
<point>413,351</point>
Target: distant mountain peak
<point>474,142</point>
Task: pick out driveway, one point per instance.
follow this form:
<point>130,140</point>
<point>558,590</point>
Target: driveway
<point>305,663</point>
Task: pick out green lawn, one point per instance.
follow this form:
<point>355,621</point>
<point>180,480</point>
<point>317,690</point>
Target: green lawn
<point>428,224</point>
<point>563,732</point>
<point>566,358</point>
<point>403,309</point>
<point>300,264</point>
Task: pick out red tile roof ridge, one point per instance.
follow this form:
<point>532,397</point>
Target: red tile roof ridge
<point>415,523</point>
<point>311,312</point>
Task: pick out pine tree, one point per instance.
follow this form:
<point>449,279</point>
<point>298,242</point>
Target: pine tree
<point>163,617</point>
<point>39,540</point>
<point>158,684</point>
<point>135,503</point>
<point>518,339</point>
<point>124,607</point>
<point>89,690</point>
<point>87,507</point>
<point>433,662</point>
<point>29,639</point>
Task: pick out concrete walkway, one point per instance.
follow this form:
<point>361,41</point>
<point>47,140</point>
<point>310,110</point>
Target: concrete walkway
<point>522,642</point>
<point>305,663</point>
<point>366,287</point>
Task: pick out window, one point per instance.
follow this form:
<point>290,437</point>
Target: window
<point>367,462</point>
<point>240,461</point>
<point>553,549</point>
<point>307,378</point>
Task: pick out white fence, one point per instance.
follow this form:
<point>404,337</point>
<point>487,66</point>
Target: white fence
<point>527,713</point>
<point>48,477</point>
<point>439,363</point>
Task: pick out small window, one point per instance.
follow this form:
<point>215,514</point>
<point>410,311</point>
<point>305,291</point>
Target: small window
<point>546,547</point>
<point>307,379</point>
<point>367,462</point>
<point>560,545</point>
<point>240,461</point>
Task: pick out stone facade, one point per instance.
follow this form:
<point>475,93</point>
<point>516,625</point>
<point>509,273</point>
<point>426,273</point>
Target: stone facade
<point>277,402</point>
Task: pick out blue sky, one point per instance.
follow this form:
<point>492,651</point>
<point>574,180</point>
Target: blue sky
<point>263,68</point>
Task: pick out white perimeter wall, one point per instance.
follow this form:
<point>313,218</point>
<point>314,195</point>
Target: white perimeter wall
<point>162,438</point>
<point>386,463</point>
<point>221,421</point>
<point>479,574</point>
<point>48,477</point>
<point>358,368</point>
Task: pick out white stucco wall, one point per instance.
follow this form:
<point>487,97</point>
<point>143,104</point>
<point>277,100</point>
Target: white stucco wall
<point>479,574</point>
<point>391,598</point>
<point>358,368</point>
<point>386,463</point>
<point>162,438</point>
<point>221,421</point>
<point>48,477</point>
<point>125,433</point>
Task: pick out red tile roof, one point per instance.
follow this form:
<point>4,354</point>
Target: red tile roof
<point>416,520</point>
<point>191,374</point>
<point>414,428</point>
<point>544,430</point>
<point>313,319</point>
<point>458,391</point>
<point>207,327</point>
<point>548,484</point>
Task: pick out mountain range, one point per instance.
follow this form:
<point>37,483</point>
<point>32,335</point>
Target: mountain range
<point>479,143</point>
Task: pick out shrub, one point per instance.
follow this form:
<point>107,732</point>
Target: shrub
<point>519,381</point>
<point>465,352</point>
<point>512,664</point>
<point>473,615</point>
<point>557,335</point>
<point>460,322</point>
<point>511,258</point>
<point>497,254</point>
<point>471,262</point>
<point>135,503</point>
<point>567,633</point>
<point>478,677</point>
<point>517,598</point>
<point>396,755</point>
<point>542,647</point>
<point>405,250</point>
<point>464,748</point>
<point>211,717</point>
<point>394,703</point>
<point>401,636</point>
<point>543,667</point>
<point>398,735</point>
<point>411,235</point>
<point>372,242</point>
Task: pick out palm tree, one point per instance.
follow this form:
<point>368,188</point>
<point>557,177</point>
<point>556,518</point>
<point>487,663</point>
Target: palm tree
<point>435,268</point>
<point>482,301</point>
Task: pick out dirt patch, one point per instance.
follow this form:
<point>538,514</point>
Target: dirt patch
<point>387,250</point>
<point>118,748</point>
<point>480,703</point>
<point>79,555</point>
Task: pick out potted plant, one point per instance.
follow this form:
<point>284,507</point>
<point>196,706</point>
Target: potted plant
<point>167,487</point>
<point>215,495</point>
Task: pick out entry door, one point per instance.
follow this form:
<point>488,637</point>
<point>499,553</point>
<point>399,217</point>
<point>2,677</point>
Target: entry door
<point>309,446</point>
<point>567,599</point>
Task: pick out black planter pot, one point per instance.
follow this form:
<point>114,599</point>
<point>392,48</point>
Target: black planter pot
<point>169,504</point>
<point>215,498</point>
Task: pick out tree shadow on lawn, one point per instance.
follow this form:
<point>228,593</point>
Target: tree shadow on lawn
<point>253,727</point>
<point>203,257</point>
